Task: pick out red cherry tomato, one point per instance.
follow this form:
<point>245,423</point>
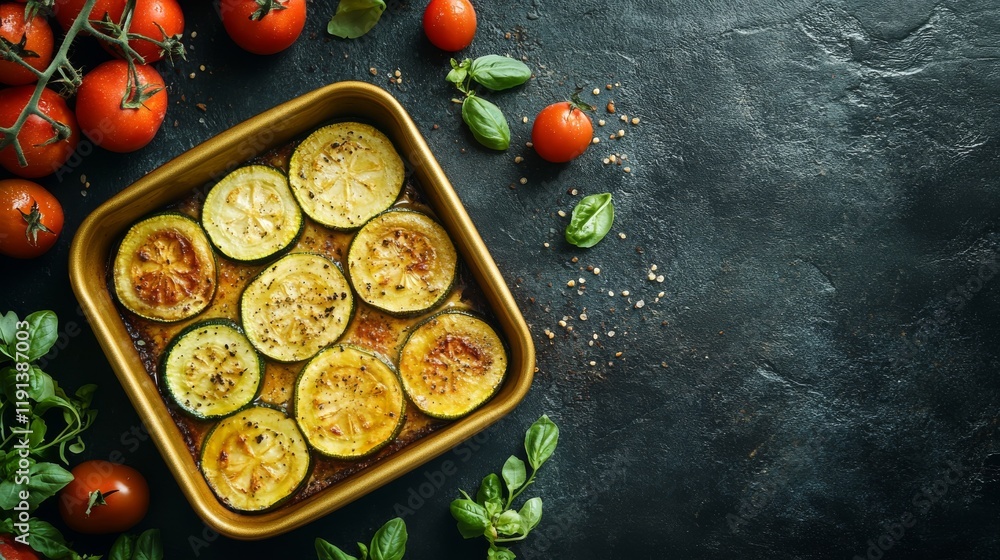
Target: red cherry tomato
<point>38,38</point>
<point>43,155</point>
<point>147,19</point>
<point>263,29</point>
<point>13,550</point>
<point>450,25</point>
<point>562,131</point>
<point>123,489</point>
<point>67,10</point>
<point>99,104</point>
<point>30,219</point>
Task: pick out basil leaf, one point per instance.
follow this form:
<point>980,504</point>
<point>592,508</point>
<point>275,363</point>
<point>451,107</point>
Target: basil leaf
<point>509,523</point>
<point>541,439</point>
<point>123,548</point>
<point>148,546</point>
<point>489,489</point>
<point>591,221</point>
<point>471,517</point>
<point>354,18</point>
<point>46,539</point>
<point>389,542</point>
<point>486,122</point>
<point>531,514</point>
<point>364,550</point>
<point>327,551</point>
<point>8,333</point>
<point>499,553</point>
<point>44,480</point>
<point>43,328</point>
<point>41,386</point>
<point>514,474</point>
<point>499,72</point>
<point>459,72</point>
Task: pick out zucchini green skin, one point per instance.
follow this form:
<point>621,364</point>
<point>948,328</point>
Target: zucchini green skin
<point>250,436</point>
<point>296,306</point>
<point>164,269</point>
<point>205,406</point>
<point>266,232</point>
<point>402,262</point>
<point>451,364</point>
<point>345,386</point>
<point>345,173</point>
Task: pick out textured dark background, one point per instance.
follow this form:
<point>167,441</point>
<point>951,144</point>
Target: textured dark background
<point>816,182</point>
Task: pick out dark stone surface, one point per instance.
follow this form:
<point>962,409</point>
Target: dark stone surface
<point>817,183</point>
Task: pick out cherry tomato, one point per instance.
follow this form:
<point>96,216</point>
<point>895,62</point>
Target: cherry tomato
<point>30,219</point>
<point>263,29</point>
<point>43,155</point>
<point>13,550</point>
<point>450,24</point>
<point>104,119</point>
<point>123,490</point>
<point>38,38</point>
<point>562,131</point>
<point>147,19</point>
<point>67,10</point>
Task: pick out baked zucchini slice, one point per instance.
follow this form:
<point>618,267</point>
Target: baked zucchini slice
<point>452,363</point>
<point>165,268</point>
<point>402,262</point>
<point>348,402</point>
<point>295,306</point>
<point>251,215</point>
<point>255,459</point>
<point>345,173</point>
<point>211,370</point>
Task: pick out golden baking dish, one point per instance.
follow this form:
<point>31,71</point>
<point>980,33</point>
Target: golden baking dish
<point>201,167</point>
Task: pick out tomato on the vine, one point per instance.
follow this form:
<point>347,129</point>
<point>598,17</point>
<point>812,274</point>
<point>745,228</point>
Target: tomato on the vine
<point>155,19</point>
<point>30,219</point>
<point>116,114</point>
<point>45,149</point>
<point>104,497</point>
<point>66,11</point>
<point>37,47</point>
<point>450,25</point>
<point>13,550</point>
<point>562,131</point>
<point>263,26</point>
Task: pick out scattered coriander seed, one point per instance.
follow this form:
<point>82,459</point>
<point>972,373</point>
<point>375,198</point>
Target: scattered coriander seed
<point>595,336</point>
<point>611,334</point>
<point>593,363</point>
<point>397,73</point>
<point>660,278</point>
<point>606,161</point>
<point>635,120</point>
<point>627,170</point>
<point>562,214</point>
<point>571,284</point>
<point>607,86</point>
<point>652,267</point>
<point>582,280</point>
<point>621,132</point>
<point>373,71</point>
<point>574,192</point>
<point>194,34</point>
<point>528,144</point>
<point>550,334</point>
<point>518,159</point>
<point>399,80</point>
<point>651,276</point>
<point>626,293</point>
<point>621,235</point>
<point>597,91</point>
<point>601,122</point>
<point>83,178</point>
<point>624,118</point>
<point>610,107</point>
<point>202,68</point>
<point>524,180</point>
<point>583,316</point>
<point>524,120</point>
<point>596,140</point>
<point>618,354</point>
<point>618,84</point>
<point>562,323</point>
<point>574,259</point>
<point>640,304</point>
<point>590,343</point>
<point>613,158</point>
<point>661,294</point>
<point>569,328</point>
<point>597,270</point>
<point>546,244</point>
<point>611,293</point>
<point>191,75</point>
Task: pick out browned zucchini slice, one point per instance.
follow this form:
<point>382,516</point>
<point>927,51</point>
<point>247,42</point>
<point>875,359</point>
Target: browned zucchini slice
<point>345,173</point>
<point>402,262</point>
<point>348,402</point>
<point>451,364</point>
<point>165,269</point>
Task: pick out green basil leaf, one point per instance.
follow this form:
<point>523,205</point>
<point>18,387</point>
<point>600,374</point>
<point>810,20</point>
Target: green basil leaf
<point>354,18</point>
<point>41,386</point>
<point>364,550</point>
<point>8,333</point>
<point>499,72</point>
<point>489,489</point>
<point>389,542</point>
<point>85,395</point>
<point>44,480</point>
<point>38,429</point>
<point>459,72</point>
<point>493,507</point>
<point>514,474</point>
<point>499,553</point>
<point>123,548</point>
<point>471,517</point>
<point>540,441</point>
<point>327,551</point>
<point>77,447</point>
<point>7,526</point>
<point>509,523</point>
<point>591,221</point>
<point>43,326</point>
<point>487,123</point>
<point>47,540</point>
<point>531,514</point>
<point>148,546</point>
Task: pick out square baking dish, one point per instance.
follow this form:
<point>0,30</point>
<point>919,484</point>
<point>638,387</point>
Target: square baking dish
<point>199,168</point>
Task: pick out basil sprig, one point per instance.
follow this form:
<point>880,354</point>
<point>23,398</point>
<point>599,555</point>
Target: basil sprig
<point>591,220</point>
<point>486,121</point>
<point>389,543</point>
<point>146,546</point>
<point>354,18</point>
<point>490,515</point>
